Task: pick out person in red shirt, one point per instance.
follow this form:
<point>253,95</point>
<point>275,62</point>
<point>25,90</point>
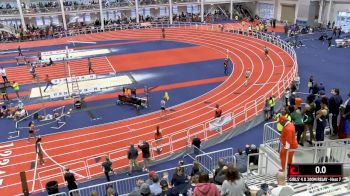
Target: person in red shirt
<point>288,141</point>
<point>218,111</point>
<point>298,102</point>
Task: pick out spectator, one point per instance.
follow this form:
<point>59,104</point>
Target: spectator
<point>196,143</point>
<point>144,147</point>
<point>155,186</point>
<point>70,179</point>
<point>93,193</point>
<point>219,176</point>
<point>196,168</point>
<point>272,103</point>
<point>288,141</point>
<point>250,149</point>
<point>165,187</point>
<point>282,188</point>
<point>179,182</point>
<point>283,112</point>
<point>234,184</point>
<point>321,120</point>
<point>321,87</point>
<point>136,191</point>
<point>194,182</point>
<point>132,156</point>
<point>298,102</point>
<point>145,190</point>
<point>204,188</point>
<point>334,104</point>
<point>346,117</point>
<point>322,94</point>
<point>297,119</point>
<point>266,110</point>
<point>310,84</point>
<point>149,181</point>
<point>107,167</point>
<point>110,191</point>
<point>241,161</point>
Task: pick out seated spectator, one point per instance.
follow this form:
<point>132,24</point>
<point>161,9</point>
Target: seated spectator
<point>155,186</point>
<point>149,181</point>
<point>195,169</point>
<point>19,114</point>
<point>165,187</point>
<point>145,190</point>
<point>136,190</point>
<point>93,193</point>
<point>110,191</point>
<point>241,161</point>
<point>194,182</point>
<point>204,188</point>
<point>282,188</point>
<point>234,184</point>
<point>219,175</point>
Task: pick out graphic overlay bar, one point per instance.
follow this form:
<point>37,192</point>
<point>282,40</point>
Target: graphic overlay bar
<point>315,173</point>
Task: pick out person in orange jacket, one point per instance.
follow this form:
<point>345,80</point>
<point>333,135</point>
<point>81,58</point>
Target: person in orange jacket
<point>288,141</point>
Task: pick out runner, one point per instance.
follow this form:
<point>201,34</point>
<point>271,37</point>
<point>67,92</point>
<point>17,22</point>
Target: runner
<point>158,138</point>
<point>266,51</point>
<point>39,151</point>
<point>31,131</point>
<point>163,33</point>
<point>90,66</point>
<point>162,108</point>
<point>48,82</point>
<point>226,66</point>
<point>247,76</point>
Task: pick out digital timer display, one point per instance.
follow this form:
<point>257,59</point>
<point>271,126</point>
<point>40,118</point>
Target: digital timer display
<point>315,173</point>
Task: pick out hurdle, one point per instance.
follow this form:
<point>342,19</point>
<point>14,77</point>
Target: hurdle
<point>59,122</point>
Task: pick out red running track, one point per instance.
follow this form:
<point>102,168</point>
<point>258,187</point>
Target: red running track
<point>78,148</point>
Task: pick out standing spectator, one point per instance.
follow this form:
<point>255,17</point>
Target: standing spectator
<point>247,76</point>
<point>287,95</point>
<point>165,187</point>
<point>132,156</point>
<point>267,110</point>
<point>241,161</point>
<point>321,87</point>
<point>39,151</point>
<point>196,169</point>
<point>315,88</point>
<point>144,147</point>
<point>298,102</point>
<point>3,74</point>
<point>15,87</point>
<point>321,120</point>
<point>234,185</point>
<point>196,143</point>
<point>218,177</point>
<point>204,187</point>
<point>218,111</point>
<point>322,95</point>
<point>70,179</point>
<point>297,119</point>
<point>310,84</point>
<point>179,182</point>
<point>158,138</point>
<point>107,167</point>
<point>48,82</point>
<point>266,52</point>
<point>282,188</point>
<point>283,112</point>
<point>288,141</point>
<point>226,66</point>
<point>308,120</point>
<point>346,117</point>
<point>90,66</point>
<point>272,103</point>
<point>334,104</point>
<point>19,51</point>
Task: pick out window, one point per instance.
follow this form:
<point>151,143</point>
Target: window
<point>163,11</point>
<point>265,10</point>
<point>39,21</point>
<point>175,10</point>
<point>343,21</point>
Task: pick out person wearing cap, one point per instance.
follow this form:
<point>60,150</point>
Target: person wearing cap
<point>288,141</point>
<point>155,186</point>
<point>165,187</point>
<point>132,156</point>
<point>70,179</point>
<point>144,147</point>
<point>107,167</point>
<point>149,181</point>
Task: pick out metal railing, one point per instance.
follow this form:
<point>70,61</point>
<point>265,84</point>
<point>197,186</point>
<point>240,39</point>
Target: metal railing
<point>210,160</point>
<point>175,142</point>
<point>126,185</point>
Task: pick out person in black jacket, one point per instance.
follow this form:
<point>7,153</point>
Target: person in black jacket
<point>70,179</point>
<point>132,156</point>
<point>196,143</point>
<point>144,147</point>
<point>219,174</point>
<point>334,103</point>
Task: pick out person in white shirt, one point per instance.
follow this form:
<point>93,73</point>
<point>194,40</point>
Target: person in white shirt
<point>3,74</point>
<point>282,188</point>
<point>155,186</point>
